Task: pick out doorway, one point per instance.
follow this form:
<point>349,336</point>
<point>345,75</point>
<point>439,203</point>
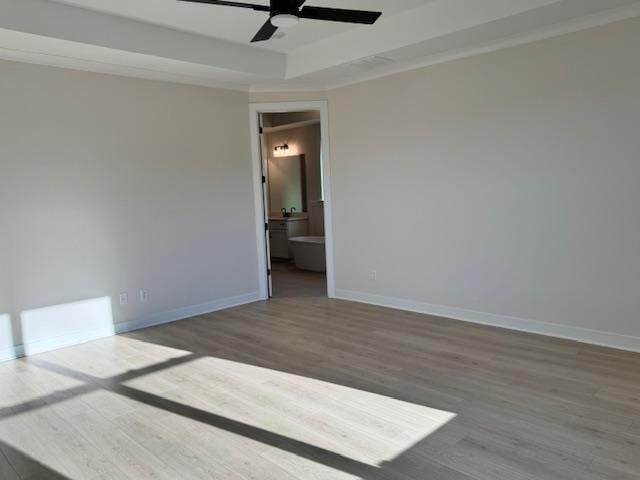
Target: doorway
<point>293,202</point>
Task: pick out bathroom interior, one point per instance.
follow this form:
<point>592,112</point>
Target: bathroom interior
<point>294,194</point>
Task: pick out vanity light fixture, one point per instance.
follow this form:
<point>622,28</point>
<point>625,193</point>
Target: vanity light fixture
<point>282,148</point>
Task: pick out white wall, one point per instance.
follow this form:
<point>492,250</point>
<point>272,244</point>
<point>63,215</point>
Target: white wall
<point>110,184</point>
<point>503,184</point>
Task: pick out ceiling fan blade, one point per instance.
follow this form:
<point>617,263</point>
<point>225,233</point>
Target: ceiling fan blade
<point>340,15</point>
<point>253,6</point>
<point>265,33</point>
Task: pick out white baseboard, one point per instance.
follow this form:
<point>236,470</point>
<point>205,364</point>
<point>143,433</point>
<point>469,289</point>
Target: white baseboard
<point>11,353</point>
<point>76,338</point>
<point>186,312</point>
<point>67,340</point>
<point>594,337</point>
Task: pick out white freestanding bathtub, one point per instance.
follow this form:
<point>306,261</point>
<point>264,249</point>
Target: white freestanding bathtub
<point>309,253</point>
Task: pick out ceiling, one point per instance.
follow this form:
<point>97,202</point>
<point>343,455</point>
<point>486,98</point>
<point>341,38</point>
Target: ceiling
<point>209,45</point>
<point>237,24</point>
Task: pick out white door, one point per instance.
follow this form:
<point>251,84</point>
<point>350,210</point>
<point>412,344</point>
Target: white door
<point>265,201</point>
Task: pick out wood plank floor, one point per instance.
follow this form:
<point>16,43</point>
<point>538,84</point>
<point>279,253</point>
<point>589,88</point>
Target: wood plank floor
<point>313,388</point>
<point>289,281</point>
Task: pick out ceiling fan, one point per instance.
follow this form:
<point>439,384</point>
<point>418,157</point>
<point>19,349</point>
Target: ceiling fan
<point>287,13</point>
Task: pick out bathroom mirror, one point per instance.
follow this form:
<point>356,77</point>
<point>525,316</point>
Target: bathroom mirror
<point>287,183</point>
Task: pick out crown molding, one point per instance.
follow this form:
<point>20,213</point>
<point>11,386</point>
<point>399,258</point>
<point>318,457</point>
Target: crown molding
<point>557,30</point>
<point>72,37</point>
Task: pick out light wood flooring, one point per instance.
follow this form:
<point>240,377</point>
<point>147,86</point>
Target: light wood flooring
<point>313,388</point>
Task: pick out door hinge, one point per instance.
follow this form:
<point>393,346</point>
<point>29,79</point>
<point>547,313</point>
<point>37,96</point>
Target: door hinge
<point>261,130</point>
<point>266,227</point>
<point>264,179</point>
<point>269,272</point>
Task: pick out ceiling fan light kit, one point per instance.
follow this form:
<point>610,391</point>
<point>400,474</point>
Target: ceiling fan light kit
<point>287,13</point>
<point>284,20</point>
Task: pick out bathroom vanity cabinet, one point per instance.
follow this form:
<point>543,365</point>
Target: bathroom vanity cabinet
<point>281,230</point>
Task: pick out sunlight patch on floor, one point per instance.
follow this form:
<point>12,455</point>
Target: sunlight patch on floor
<point>161,412</point>
<point>360,425</point>
<point>112,356</point>
<point>22,382</point>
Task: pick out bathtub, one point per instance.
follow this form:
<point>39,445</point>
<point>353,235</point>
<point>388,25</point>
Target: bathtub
<point>309,253</point>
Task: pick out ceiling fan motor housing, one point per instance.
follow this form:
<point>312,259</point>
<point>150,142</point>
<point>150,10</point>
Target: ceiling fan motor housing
<point>285,7</point>
<point>285,13</point>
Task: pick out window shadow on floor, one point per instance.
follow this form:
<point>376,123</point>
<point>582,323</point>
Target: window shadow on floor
<point>267,345</point>
<point>301,449</point>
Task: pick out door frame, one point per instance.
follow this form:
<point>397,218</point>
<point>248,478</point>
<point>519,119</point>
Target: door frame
<point>264,170</point>
<point>255,109</point>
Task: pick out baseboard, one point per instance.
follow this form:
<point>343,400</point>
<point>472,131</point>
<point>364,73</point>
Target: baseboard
<point>67,340</point>
<point>186,312</point>
<point>11,353</point>
<point>583,335</point>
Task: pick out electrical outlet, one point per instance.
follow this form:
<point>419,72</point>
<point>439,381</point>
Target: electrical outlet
<point>124,298</point>
<point>373,274</point>
<point>144,295</point>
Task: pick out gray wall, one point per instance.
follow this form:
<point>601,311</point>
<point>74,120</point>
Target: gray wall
<point>499,188</point>
<point>502,184</point>
<point>111,184</point>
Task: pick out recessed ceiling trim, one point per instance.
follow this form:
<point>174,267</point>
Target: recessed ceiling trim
<point>514,40</point>
<point>80,25</point>
<point>311,84</point>
<point>433,20</point>
<point>59,34</point>
<point>134,66</point>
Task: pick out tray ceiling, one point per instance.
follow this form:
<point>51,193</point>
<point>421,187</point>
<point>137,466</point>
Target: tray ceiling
<point>209,45</point>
